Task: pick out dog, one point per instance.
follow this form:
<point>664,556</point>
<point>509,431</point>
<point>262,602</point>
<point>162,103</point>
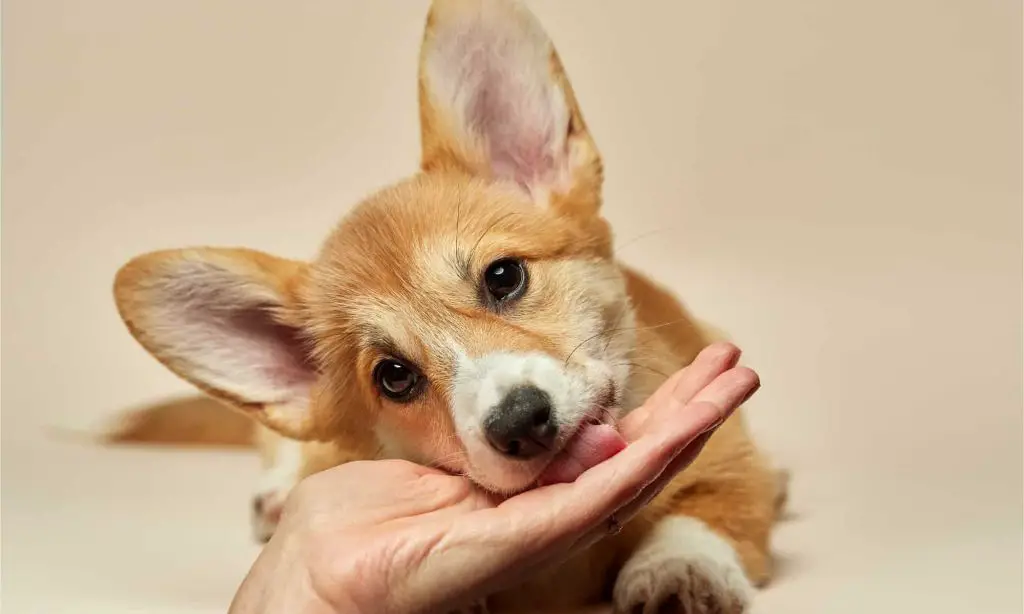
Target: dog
<point>473,317</point>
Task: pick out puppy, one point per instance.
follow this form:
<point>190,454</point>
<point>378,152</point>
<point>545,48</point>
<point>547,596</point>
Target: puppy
<point>473,317</point>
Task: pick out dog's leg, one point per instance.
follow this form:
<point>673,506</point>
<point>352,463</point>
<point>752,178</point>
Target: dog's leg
<point>283,467</point>
<point>706,554</point>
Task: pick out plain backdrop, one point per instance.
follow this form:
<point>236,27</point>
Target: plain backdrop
<point>838,184</point>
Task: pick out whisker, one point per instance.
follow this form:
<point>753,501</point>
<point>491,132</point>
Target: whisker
<point>587,340</point>
<point>640,236</point>
<point>662,325</point>
<point>443,439</point>
<point>442,463</point>
<point>472,252</point>
<point>622,311</point>
<point>642,366</point>
<point>458,226</point>
<point>622,330</point>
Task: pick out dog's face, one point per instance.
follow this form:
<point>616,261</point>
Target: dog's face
<point>478,330</point>
<point>470,317</point>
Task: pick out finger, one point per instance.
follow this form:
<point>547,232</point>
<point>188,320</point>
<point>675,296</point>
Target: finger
<point>726,390</point>
<point>730,389</point>
<point>572,509</point>
<point>714,403</point>
<point>669,398</point>
<point>678,464</point>
<point>631,509</point>
<point>711,362</point>
<point>625,513</point>
<point>682,386</point>
<point>724,395</point>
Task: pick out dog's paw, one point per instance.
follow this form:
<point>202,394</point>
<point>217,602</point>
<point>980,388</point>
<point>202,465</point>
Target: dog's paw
<point>266,514</point>
<point>277,481</point>
<point>683,567</point>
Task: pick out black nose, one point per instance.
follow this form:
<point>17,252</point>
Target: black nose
<point>521,425</point>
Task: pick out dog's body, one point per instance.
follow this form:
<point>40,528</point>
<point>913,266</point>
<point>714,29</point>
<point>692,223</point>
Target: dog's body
<point>472,317</point>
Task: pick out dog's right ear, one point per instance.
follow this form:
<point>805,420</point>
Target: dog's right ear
<point>495,102</point>
<point>226,320</point>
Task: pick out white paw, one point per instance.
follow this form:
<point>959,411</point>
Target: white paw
<point>682,566</point>
<point>266,514</point>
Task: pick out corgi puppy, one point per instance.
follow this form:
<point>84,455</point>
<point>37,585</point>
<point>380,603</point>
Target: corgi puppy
<point>473,317</point>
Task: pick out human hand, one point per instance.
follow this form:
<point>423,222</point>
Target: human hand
<point>392,536</point>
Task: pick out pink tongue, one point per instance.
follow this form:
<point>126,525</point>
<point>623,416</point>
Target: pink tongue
<point>588,447</point>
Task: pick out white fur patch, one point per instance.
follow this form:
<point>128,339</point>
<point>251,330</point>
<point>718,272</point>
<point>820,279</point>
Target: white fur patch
<point>481,383</point>
<point>682,559</point>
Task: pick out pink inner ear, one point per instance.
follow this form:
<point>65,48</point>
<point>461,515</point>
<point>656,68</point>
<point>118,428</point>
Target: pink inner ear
<point>519,139</point>
<point>285,362</point>
<point>225,333</point>
<point>492,71</point>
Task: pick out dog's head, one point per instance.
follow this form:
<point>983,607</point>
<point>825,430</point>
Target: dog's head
<point>470,317</point>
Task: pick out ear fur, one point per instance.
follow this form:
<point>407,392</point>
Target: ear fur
<point>495,102</point>
<point>225,320</point>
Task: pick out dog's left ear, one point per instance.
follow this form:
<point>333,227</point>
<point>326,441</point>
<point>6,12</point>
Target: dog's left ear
<point>226,320</point>
<point>496,103</point>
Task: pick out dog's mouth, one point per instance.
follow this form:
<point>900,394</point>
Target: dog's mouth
<point>594,440</point>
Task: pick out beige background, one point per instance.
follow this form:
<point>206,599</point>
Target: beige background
<point>836,183</point>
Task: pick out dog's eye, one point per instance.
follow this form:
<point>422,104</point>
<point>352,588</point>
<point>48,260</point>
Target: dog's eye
<point>505,278</point>
<point>396,380</point>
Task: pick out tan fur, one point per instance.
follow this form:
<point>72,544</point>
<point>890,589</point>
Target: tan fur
<point>203,421</point>
<point>194,420</point>
<point>399,278</point>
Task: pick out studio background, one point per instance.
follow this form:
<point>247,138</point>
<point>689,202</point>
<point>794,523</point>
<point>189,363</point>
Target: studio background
<point>837,184</point>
